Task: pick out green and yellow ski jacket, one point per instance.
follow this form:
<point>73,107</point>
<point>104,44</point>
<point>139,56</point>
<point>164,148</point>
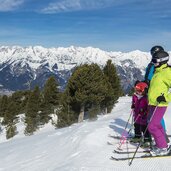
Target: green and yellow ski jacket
<point>160,84</point>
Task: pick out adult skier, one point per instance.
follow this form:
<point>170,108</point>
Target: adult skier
<point>149,74</point>
<point>159,98</point>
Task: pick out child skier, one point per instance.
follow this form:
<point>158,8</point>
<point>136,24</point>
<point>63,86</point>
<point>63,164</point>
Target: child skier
<point>140,107</point>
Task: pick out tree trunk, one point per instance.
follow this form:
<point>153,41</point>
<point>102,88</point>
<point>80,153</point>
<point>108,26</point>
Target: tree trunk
<point>105,111</point>
<point>81,115</point>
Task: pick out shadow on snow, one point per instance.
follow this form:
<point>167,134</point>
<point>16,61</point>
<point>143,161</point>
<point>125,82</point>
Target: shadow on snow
<point>118,126</point>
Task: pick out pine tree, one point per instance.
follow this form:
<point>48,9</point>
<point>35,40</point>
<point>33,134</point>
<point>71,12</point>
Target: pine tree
<point>32,108</point>
<point>109,100</point>
<point>50,99</point>
<point>21,98</point>
<point>51,92</point>
<point>11,112</point>
<point>10,119</point>
<point>113,78</point>
<point>31,126</point>
<point>11,130</point>
<point>93,111</point>
<point>3,105</point>
<point>87,87</point>
<point>65,114</point>
<point>33,103</point>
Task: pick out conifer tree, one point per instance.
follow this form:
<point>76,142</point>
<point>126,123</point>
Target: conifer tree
<point>11,112</point>
<point>50,98</point>
<point>113,78</point>
<point>11,130</point>
<point>32,108</point>
<point>65,114</point>
<point>33,103</point>
<point>93,111</point>
<point>21,98</point>
<point>17,98</point>
<point>3,105</point>
<point>31,126</point>
<point>87,87</point>
<point>10,119</point>
<point>109,100</point>
<point>51,92</point>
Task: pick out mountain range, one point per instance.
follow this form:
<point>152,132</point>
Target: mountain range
<point>24,67</point>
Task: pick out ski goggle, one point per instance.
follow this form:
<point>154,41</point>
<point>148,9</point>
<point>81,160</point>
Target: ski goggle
<point>138,90</point>
<point>155,60</point>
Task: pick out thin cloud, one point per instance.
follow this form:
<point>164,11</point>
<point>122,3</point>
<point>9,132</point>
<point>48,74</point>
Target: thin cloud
<point>59,6</point>
<point>76,5</point>
<point>9,5</point>
<point>62,6</point>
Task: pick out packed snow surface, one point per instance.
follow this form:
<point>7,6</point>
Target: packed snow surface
<point>80,147</point>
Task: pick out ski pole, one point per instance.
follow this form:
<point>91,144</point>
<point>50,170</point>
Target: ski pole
<point>144,133</point>
<point>124,134</point>
<point>128,119</point>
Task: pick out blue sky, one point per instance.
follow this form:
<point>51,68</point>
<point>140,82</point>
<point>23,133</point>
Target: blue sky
<point>112,25</point>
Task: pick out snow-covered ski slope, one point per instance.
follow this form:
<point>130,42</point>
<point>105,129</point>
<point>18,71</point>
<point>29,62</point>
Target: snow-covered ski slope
<point>80,147</point>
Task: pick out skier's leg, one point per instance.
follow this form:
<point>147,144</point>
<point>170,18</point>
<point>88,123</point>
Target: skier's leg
<point>155,127</point>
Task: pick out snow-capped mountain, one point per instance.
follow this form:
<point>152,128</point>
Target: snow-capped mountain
<point>24,67</point>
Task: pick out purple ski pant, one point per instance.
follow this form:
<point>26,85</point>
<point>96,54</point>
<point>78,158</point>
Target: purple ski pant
<point>155,116</point>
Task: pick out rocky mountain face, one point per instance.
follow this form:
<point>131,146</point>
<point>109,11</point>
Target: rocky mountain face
<point>24,67</point>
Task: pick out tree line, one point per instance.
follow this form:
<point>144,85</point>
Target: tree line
<point>90,90</point>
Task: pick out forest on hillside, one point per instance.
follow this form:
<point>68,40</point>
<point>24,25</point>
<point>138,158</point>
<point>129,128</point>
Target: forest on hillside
<point>89,90</point>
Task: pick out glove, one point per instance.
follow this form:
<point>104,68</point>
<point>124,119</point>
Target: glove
<point>161,99</point>
<point>144,117</point>
<point>132,106</point>
<point>142,110</point>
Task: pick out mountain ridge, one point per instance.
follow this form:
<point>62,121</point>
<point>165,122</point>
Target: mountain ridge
<point>24,67</point>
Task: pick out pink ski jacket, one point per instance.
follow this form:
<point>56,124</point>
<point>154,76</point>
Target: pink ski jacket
<point>140,109</point>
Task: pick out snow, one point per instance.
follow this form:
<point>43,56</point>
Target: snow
<point>80,147</point>
<point>36,56</point>
<point>59,59</point>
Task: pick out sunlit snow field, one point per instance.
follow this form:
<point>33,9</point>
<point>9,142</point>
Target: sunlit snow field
<point>80,147</point>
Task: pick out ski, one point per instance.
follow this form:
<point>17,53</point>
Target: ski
<point>129,152</point>
<point>147,156</point>
<point>116,143</point>
<point>134,146</point>
<point>111,143</point>
<point>119,137</point>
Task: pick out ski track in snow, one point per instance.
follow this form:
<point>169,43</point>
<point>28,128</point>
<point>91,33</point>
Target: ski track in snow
<point>80,147</point>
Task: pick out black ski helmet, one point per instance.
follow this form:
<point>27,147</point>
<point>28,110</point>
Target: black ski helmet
<point>160,57</point>
<point>155,49</point>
